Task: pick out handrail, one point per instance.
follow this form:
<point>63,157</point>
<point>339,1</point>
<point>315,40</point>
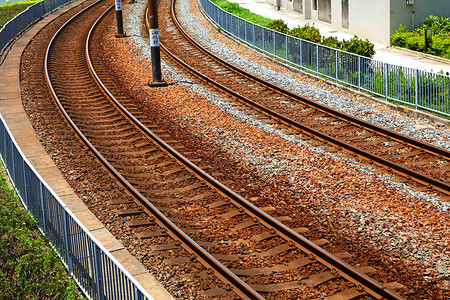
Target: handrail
<point>416,88</point>
<point>20,22</point>
<point>107,276</point>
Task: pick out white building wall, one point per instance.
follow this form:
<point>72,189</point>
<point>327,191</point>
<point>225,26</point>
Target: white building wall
<point>374,20</point>
<point>367,18</point>
<point>336,14</point>
<point>370,19</point>
<point>310,13</point>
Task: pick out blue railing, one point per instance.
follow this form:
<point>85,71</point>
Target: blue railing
<point>419,89</point>
<point>97,272</point>
<point>20,22</point>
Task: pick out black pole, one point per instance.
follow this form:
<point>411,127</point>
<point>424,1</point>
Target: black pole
<point>154,44</point>
<point>119,18</point>
<point>427,39</point>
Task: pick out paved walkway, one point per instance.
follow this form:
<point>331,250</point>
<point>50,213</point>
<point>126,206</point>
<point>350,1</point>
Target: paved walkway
<point>383,53</point>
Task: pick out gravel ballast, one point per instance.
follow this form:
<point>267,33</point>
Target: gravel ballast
<point>331,192</point>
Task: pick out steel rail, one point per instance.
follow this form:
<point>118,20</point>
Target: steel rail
<point>395,167</point>
<point>392,134</point>
<point>242,289</point>
<point>372,287</point>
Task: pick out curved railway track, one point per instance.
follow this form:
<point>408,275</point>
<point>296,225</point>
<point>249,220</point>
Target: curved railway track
<point>178,205</point>
<point>418,163</point>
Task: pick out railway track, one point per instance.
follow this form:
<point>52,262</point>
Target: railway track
<point>420,164</point>
<point>220,241</point>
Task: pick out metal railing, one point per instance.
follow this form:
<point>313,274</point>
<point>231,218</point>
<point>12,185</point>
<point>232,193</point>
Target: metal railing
<point>96,271</point>
<point>419,89</point>
<point>20,22</point>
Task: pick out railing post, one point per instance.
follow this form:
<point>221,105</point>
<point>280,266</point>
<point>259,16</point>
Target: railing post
<point>254,37</point>
<point>245,31</point>
<point>98,271</point>
<point>386,69</point>
<point>3,133</point>
<point>25,181</point>
<point>13,170</point>
<point>274,46</point>
<point>317,58</point>
<point>137,294</point>
<point>67,243</point>
<point>301,54</point>
<point>359,73</point>
<point>263,40</point>
<point>43,207</point>
<point>416,87</point>
<point>337,65</point>
<point>122,284</point>
<point>287,52</point>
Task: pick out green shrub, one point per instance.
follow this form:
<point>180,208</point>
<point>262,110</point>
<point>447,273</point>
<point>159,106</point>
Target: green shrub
<point>398,38</point>
<point>332,42</point>
<point>410,40</point>
<point>279,25</point>
<point>359,46</point>
<point>415,42</point>
<point>446,55</point>
<point>307,32</point>
<point>437,24</point>
<point>233,8</point>
<point>439,44</point>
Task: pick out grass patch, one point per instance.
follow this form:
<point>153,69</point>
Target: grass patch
<point>243,13</point>
<point>29,268</point>
<point>10,10</point>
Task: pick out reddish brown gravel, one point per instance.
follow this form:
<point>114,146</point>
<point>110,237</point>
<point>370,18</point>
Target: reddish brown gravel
<point>405,238</point>
<point>337,198</point>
